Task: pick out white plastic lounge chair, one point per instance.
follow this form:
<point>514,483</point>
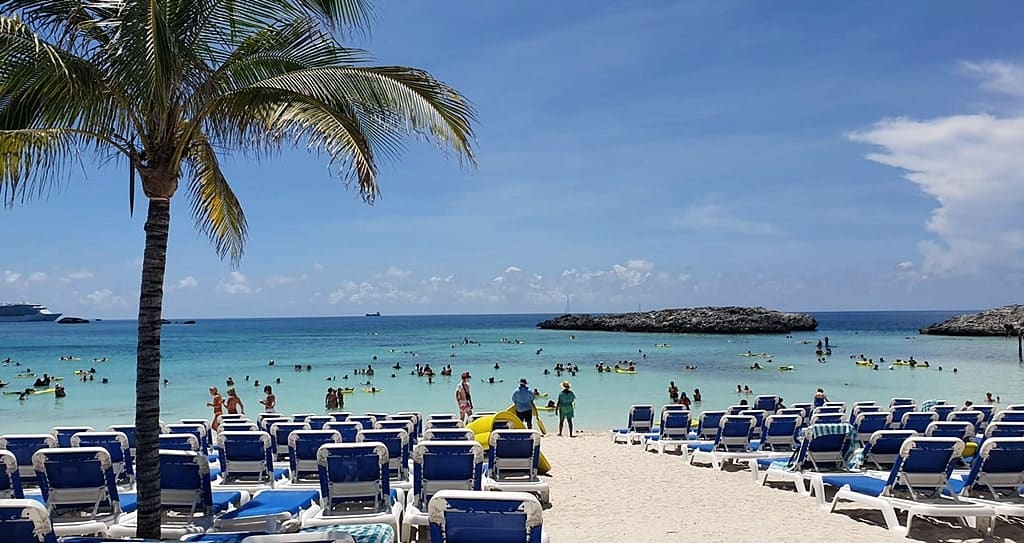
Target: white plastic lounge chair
<point>639,421</point>
<point>869,422</point>
<point>963,431</point>
<point>826,418</point>
<point>195,429</point>
<point>79,489</point>
<point>918,484</point>
<point>444,423</point>
<point>239,426</point>
<point>25,521</point>
<point>317,422</point>
<point>731,443</point>
<point>397,443</point>
<point>897,412</point>
<point>63,433</point>
<point>474,517</point>
<point>129,431</point>
<point>1007,415</point>
<point>1004,429</point>
<point>23,446</point>
<point>279,432</point>
<point>766,403</point>
<point>780,433</point>
<point>513,460</point>
<point>449,434</point>
<point>440,465</point>
<point>858,409</point>
<point>675,432</point>
<point>302,454</point>
<point>301,417</point>
<point>117,446</point>
<point>759,420</point>
<point>823,448</point>
<point>349,431</point>
<point>271,511</point>
<point>883,447</point>
<point>179,442</point>
<point>918,421</point>
<point>247,461</point>
<point>10,480</point>
<point>901,401</point>
<point>366,420</point>
<point>996,477</point>
<point>707,425</point>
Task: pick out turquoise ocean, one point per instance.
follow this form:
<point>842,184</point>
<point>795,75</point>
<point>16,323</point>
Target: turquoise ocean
<point>198,356</point>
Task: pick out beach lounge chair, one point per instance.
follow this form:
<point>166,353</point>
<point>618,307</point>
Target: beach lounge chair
<point>279,432</point>
<point>707,425</point>
<point>340,416</point>
<point>963,431</point>
<point>901,401</point>
<point>404,424</point>
<point>302,449</point>
<point>397,443</point>
<point>766,403</point>
<point>187,504</point>
<point>943,410</point>
<point>868,408</point>
<point>10,479</point>
<point>841,406</point>
<point>442,416</point>
<point>417,421</point>
<point>440,465</point>
<point>918,483</point>
<point>996,477</point>
<point>117,446</point>
<point>826,418</point>
<point>897,413</point>
<point>759,418</point>
<point>23,446</point>
<point>864,403</point>
<point>367,421</point>
<point>238,426</point>
<point>918,421</point>
<point>1015,407</point>
<point>195,429</point>
<point>79,489</point>
<point>63,433</point>
<point>179,442</point>
<point>807,408</point>
<point>780,433</point>
<point>988,411</point>
<point>823,448</point>
<point>1008,416</point>
<point>354,487</point>
<point>734,410</point>
<point>977,418</point>
<point>202,422</point>
<point>829,409</point>
<point>674,433</point>
<point>449,434</point>
<point>444,423</point>
<point>473,517</point>
<point>867,423</point>
<point>349,431</point>
<point>25,521</point>
<point>793,411</point>
<point>317,422</point>
<point>271,511</point>
<point>265,423</point>
<point>1004,429</point>
<point>301,417</point>
<point>246,461</point>
<point>513,460</point>
<point>883,447</point>
<point>129,431</point>
<point>731,443</point>
<point>640,420</point>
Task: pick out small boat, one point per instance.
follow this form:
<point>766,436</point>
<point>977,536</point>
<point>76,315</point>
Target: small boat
<point>377,314</point>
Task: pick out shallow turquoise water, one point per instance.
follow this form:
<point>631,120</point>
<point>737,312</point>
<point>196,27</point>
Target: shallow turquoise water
<point>199,356</point>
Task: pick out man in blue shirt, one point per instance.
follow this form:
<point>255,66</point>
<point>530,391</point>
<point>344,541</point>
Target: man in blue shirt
<point>523,400</point>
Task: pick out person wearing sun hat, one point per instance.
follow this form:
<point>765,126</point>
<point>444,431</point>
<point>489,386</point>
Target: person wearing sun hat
<point>523,400</point>
<point>464,398</point>
<point>565,407</point>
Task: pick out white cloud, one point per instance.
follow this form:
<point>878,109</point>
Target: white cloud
<point>396,273</point>
<point>974,168</point>
<point>102,297</point>
<point>905,265</point>
<point>717,217</point>
<point>11,277</point>
<point>366,292</point>
<point>438,279</point>
<point>513,269</point>
<point>236,283</point>
<point>318,266</point>
<point>187,282</point>
<point>640,264</point>
<point>79,275</point>
<point>37,277</point>
<point>278,280</point>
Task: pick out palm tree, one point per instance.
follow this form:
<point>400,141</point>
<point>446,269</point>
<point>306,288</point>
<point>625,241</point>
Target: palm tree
<point>169,86</point>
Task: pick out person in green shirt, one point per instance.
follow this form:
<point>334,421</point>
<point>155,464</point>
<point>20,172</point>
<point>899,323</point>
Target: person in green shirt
<point>565,406</point>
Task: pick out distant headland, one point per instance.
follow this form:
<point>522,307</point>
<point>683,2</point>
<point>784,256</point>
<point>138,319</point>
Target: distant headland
<point>702,320</point>
<point>1001,321</point>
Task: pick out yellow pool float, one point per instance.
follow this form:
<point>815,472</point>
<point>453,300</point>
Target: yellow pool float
<point>628,372</point>
<point>865,363</point>
<point>482,427</point>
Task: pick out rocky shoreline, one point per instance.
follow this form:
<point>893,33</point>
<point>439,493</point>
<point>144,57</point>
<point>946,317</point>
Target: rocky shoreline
<point>703,320</point>
<point>993,322</point>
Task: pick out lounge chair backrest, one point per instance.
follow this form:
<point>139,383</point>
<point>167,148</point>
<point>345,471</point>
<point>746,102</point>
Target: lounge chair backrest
<point>417,423</point>
<point>901,401</point>
<point>279,432</point>
<point>923,466</point>
<point>707,424</point>
<point>998,471</point>
<point>675,424</point>
<point>734,433</point>
<point>246,457</point>
<point>397,442</point>
<point>841,406</point>
<point>349,430</point>
<point>807,408</point>
<point>759,418</point>
<point>446,465</point>
<point>406,425</point>
<point>822,447</point>
<point>641,418</point>
<point>354,473</point>
<point>826,418</point>
<point>883,447</point>
<point>960,430</point>
<point>179,442</point>
<point>673,407</point>
<point>267,423</point>
<point>377,416</point>
<point>233,417</point>
<point>780,432</point>
<point>829,410</point>
<point>977,418</point>
<point>514,454</point>
<point>442,416</point>
<point>472,517</point>
<point>793,411</point>
<point>766,403</point>
<point>864,403</point>
<point>870,422</point>
<point>366,420</point>
<point>185,482</point>
<point>449,434</point>
<point>858,409</point>
<point>25,521</point>
<point>943,410</point>
<point>444,423</point>
<point>129,431</point>
<point>63,433</point>
<point>77,482</point>
<point>202,422</point>
<point>897,412</point>
<point>116,445</point>
<point>340,416</point>
<point>1008,416</point>
<point>301,417</point>
<point>195,429</point>
<point>302,448</point>
<point>736,409</point>
<point>10,479</point>
<point>317,422</point>
<point>1015,407</point>
<point>1004,429</point>
<point>918,421</point>
<point>240,426</point>
<point>23,446</point>
<point>988,411</point>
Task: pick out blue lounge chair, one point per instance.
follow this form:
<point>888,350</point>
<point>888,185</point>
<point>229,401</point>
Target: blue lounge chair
<point>1004,429</point>
<point>963,431</point>
<point>317,422</point>
<point>759,418</point>
<point>79,489</point>
<point>349,431</point>
<point>1008,416</point>
<point>975,417</point>
<point>823,448</point>
<point>897,412</point>
<point>302,448</point>
<point>325,536</point>
<point>675,432</point>
<point>867,423</point>
<point>417,421</point>
<point>513,461</point>
<point>340,416</point>
<point>707,425</point>
<point>10,479</point>
<point>943,410</point>
<point>841,406</point>
<point>996,477</point>
<point>440,465</point>
<point>367,421</point>
<point>201,422</point>
<point>859,408</point>
<point>901,401</point>
<point>780,433</point>
<point>731,443</point>
<point>826,418</point>
<point>794,411</point>
<point>279,432</point>
<point>1015,407</point>
<point>247,461</point>
<point>63,433</point>
<point>918,483</point>
<point>25,521</point>
<point>444,423</point>
<point>442,416</point>
<point>397,443</point>
<point>129,431</point>
<point>239,426</point>
<point>473,517</point>
<point>640,420</point>
<point>23,446</point>
<point>883,447</point>
<point>194,429</point>
<point>829,410</point>
<point>302,417</point>
<point>988,412</point>
<point>807,408</point>
<point>179,442</point>
<point>187,504</point>
<point>918,421</point>
<point>354,487</point>
<point>734,410</point>
<point>390,424</point>
<point>766,403</point>
<point>449,434</point>
<point>117,446</point>
<point>265,423</point>
<point>271,511</point>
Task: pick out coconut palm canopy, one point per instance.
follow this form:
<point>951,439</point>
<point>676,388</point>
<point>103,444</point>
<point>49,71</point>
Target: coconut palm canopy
<point>167,88</point>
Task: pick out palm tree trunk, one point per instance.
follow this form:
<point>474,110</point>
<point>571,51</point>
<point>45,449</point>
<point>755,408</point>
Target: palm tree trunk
<point>147,381</point>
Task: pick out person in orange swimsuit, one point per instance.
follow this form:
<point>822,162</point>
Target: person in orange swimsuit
<point>218,406</point>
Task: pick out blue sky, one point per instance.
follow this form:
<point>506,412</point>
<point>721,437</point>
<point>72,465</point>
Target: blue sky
<point>799,155</point>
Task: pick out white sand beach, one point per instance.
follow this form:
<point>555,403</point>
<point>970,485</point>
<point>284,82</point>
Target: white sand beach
<point>606,492</point>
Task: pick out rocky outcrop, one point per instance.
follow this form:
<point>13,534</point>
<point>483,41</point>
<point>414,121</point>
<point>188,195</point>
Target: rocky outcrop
<point>704,320</point>
<point>1000,321</point>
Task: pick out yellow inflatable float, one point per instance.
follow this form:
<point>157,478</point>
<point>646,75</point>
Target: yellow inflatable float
<point>482,429</point>
<point>620,370</point>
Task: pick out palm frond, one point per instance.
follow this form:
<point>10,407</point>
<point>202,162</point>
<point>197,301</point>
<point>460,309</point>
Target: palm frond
<point>215,208</point>
<point>35,161</point>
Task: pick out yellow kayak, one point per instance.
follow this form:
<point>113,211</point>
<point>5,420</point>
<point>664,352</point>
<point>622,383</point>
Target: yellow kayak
<point>372,390</point>
<point>865,363</point>
<point>348,390</point>
<point>618,370</point>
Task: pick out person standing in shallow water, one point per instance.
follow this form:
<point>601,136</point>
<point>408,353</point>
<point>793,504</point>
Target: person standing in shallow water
<point>235,406</point>
<point>565,407</point>
<point>218,406</point>
<point>464,398</point>
<point>673,391</point>
<point>271,401</point>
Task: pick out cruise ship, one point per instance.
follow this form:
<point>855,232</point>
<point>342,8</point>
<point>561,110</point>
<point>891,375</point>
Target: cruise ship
<point>25,313</point>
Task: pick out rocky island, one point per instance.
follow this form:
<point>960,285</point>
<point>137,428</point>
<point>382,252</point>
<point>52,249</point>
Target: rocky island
<point>1000,321</point>
<point>702,320</point>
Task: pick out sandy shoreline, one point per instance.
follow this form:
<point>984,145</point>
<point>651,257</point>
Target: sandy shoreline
<point>606,492</point>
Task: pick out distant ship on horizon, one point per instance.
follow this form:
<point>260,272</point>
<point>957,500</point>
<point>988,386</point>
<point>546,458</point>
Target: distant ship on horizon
<point>377,314</point>
<point>26,313</point>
